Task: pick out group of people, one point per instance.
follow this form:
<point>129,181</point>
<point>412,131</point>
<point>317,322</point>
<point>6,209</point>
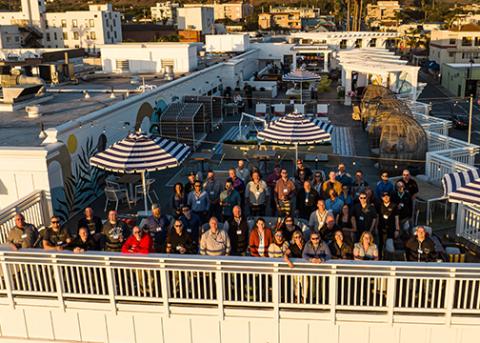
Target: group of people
<point>319,218</point>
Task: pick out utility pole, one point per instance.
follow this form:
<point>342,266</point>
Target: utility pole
<point>348,15</point>
<point>470,119</point>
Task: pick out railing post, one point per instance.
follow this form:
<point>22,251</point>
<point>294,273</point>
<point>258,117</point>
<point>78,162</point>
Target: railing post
<point>391,292</point>
<point>332,293</point>
<point>58,281</point>
<point>110,284</point>
<point>219,287</point>
<point>276,301</point>
<point>165,287</point>
<point>449,297</point>
<point>7,279</point>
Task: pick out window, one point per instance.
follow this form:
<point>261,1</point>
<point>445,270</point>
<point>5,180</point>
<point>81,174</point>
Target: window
<point>9,39</point>
<point>64,23</point>
<point>93,35</point>
<point>466,41</point>
<point>108,34</point>
<point>452,41</point>
<point>451,54</point>
<point>48,36</point>
<point>75,35</point>
<point>65,35</point>
<point>91,23</point>
<point>115,34</point>
<point>46,24</point>
<point>477,41</point>
<point>74,23</point>
<point>17,39</point>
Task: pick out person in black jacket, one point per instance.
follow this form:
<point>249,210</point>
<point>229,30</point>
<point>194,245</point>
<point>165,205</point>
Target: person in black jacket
<point>341,249</point>
<point>114,233</point>
<point>307,198</point>
<point>238,232</point>
<point>178,240</point>
<point>83,242</point>
<point>420,247</point>
<point>91,222</point>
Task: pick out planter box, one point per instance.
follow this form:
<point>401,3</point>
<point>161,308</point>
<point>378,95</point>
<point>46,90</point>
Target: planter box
<point>238,150</point>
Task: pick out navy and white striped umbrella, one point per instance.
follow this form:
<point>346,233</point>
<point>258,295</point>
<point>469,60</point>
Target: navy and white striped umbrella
<point>139,153</point>
<point>301,75</point>
<point>294,129</point>
<point>463,186</point>
<point>326,125</point>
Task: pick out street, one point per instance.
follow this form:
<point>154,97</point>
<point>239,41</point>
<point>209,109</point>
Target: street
<point>445,104</point>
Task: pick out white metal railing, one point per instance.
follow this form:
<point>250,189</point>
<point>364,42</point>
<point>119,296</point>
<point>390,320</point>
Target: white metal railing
<point>437,165</point>
<point>35,207</point>
<point>468,223</point>
<point>387,288</point>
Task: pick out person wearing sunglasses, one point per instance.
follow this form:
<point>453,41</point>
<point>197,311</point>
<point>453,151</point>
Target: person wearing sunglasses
<point>364,216</point>
<point>316,251</point>
<point>56,237</point>
<point>179,241</point>
<point>384,185</point>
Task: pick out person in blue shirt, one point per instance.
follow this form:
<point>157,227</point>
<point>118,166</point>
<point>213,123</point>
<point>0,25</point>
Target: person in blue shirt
<point>384,185</point>
<point>343,177</point>
<point>333,203</point>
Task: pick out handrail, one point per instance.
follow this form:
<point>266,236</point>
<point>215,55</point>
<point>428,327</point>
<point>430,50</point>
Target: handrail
<point>388,288</point>
<point>35,207</point>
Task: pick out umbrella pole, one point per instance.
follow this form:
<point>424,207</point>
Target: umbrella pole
<point>301,92</point>
<point>144,184</point>
<point>296,154</point>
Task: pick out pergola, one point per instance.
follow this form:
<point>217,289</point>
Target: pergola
<point>376,65</point>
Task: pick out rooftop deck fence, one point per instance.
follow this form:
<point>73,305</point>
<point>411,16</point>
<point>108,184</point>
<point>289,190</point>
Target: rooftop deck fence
<point>443,293</point>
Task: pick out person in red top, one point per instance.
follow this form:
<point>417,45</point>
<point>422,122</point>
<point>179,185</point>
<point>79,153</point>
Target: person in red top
<point>260,238</point>
<point>138,243</point>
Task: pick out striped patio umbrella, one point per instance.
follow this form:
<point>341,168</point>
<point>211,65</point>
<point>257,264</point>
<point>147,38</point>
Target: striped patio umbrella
<point>462,187</point>
<point>326,125</point>
<point>296,129</point>
<point>301,75</point>
<point>139,153</point>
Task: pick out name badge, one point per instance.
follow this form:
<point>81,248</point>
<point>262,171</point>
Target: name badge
<point>189,230</point>
<point>361,218</point>
<point>285,190</point>
<point>239,232</point>
<point>158,229</point>
<point>257,194</point>
<point>385,216</point>
<point>198,202</point>
<point>178,247</point>
<point>212,192</point>
<point>306,200</point>
<point>24,235</point>
<point>115,236</point>
<point>420,251</point>
<point>92,232</point>
<point>60,243</point>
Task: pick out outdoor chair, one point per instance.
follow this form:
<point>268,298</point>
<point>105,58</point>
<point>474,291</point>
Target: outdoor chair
<point>116,196</point>
<point>299,108</point>
<point>261,110</point>
<point>150,191</point>
<point>278,109</point>
<point>322,110</point>
<point>115,185</point>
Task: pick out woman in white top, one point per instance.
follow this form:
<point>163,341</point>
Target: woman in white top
<point>366,249</point>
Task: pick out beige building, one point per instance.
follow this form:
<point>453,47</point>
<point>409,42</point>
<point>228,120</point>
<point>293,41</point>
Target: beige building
<point>458,45</point>
<point>196,19</point>
<point>305,12</point>
<point>384,13</point>
<point>235,11</point>
<point>284,20</point>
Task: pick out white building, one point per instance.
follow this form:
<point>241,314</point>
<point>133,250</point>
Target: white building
<point>227,43</point>
<point>165,11</point>
<point>10,37</point>
<point>196,18</point>
<point>72,29</point>
<point>149,57</point>
<point>455,46</point>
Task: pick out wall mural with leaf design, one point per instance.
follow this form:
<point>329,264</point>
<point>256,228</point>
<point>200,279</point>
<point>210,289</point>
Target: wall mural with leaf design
<point>83,185</point>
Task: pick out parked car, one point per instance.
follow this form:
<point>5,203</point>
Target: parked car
<point>460,121</point>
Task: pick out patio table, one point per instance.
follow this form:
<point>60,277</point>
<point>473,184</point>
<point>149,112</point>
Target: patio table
<point>130,180</point>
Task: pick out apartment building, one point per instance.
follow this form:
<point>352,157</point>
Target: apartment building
<point>71,29</point>
<point>165,12</point>
<point>283,20</point>
<point>305,12</point>
<point>235,11</point>
<point>383,13</point>
<point>196,19</point>
<point>457,45</point>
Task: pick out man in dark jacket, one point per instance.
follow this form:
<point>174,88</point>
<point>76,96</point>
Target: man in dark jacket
<point>307,198</point>
<point>420,247</point>
<point>179,241</point>
<point>114,233</point>
<point>56,237</point>
<point>91,222</point>
<point>237,228</point>
<point>157,226</point>
<point>83,242</point>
